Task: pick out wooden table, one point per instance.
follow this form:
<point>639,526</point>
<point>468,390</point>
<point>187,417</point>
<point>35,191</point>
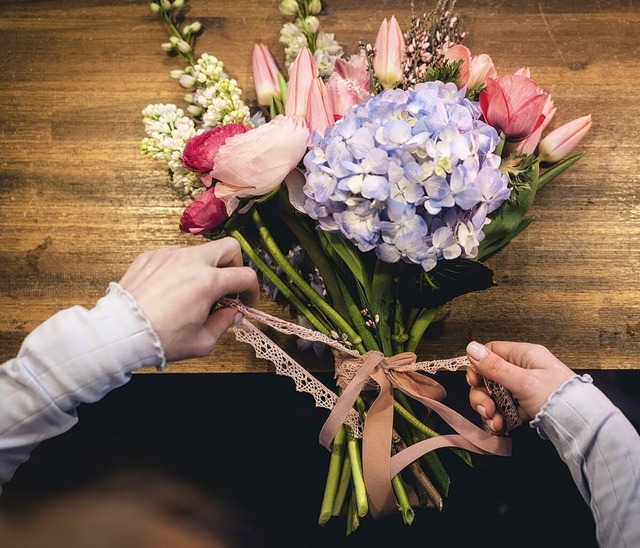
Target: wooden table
<point>78,201</point>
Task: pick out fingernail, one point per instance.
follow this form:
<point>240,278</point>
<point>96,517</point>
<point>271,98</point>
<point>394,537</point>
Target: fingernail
<point>490,425</point>
<point>239,317</point>
<point>477,351</point>
<point>468,379</point>
<point>481,411</point>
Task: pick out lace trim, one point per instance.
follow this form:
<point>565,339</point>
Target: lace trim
<point>285,365</point>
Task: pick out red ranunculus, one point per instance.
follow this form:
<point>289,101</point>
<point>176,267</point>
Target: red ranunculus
<point>205,213</point>
<point>199,153</point>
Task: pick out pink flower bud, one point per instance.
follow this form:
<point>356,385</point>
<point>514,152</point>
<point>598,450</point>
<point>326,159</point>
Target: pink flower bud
<point>389,56</point>
<point>265,74</point>
<point>319,107</point>
<point>302,73</point>
<point>561,141</point>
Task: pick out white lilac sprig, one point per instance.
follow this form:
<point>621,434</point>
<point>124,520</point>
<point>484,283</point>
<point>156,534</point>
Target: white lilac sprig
<point>410,174</point>
<point>168,129</point>
<point>305,31</point>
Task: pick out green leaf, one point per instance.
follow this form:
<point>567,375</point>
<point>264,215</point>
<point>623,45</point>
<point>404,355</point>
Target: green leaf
<point>381,301</point>
<point>507,220</point>
<point>448,280</point>
<point>351,257</point>
<point>557,169</point>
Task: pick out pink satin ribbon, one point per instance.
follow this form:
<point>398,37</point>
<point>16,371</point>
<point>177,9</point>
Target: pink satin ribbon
<point>379,467</point>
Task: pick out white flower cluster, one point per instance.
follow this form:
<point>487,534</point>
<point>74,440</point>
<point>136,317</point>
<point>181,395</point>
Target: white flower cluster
<point>168,130</point>
<point>326,48</point>
<point>215,97</point>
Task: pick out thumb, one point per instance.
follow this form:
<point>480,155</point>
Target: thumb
<point>493,367</point>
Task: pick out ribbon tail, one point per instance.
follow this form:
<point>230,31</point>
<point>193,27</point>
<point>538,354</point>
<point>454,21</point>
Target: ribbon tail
<point>376,449</point>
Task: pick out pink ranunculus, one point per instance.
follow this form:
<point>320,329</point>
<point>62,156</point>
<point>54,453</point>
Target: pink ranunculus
<point>513,105</point>
<point>561,141</point>
<point>256,162</point>
<point>389,53</point>
<point>265,74</point>
<point>302,73</point>
<point>199,153</point>
<point>349,83</point>
<point>205,213</point>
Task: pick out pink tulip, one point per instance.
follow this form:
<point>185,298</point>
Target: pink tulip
<point>529,144</point>
<point>302,73</point>
<point>319,107</point>
<point>513,105</point>
<point>561,141</point>
<point>389,53</point>
<point>473,70</point>
<point>205,213</point>
<point>256,162</point>
<point>265,74</point>
<point>349,83</point>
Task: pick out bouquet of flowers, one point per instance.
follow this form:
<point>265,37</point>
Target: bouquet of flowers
<point>368,191</point>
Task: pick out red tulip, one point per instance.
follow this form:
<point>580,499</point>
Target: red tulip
<point>205,213</point>
<point>513,105</point>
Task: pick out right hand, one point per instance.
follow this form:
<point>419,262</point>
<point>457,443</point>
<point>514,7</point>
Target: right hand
<point>529,371</point>
<point>178,287</point>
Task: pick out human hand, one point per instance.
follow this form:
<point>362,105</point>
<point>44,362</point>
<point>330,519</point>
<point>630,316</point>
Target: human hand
<point>177,288</point>
<point>529,371</point>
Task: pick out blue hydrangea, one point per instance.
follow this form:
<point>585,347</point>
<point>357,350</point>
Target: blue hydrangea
<point>411,174</point>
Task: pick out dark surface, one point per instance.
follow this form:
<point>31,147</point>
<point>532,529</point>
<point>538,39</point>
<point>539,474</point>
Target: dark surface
<point>253,439</point>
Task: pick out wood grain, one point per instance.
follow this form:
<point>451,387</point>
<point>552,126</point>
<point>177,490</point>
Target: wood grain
<point>78,202</point>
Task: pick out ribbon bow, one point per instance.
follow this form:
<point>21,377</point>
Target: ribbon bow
<point>379,467</point>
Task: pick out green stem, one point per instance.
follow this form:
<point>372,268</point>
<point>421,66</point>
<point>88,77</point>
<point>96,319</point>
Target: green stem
<point>275,280</point>
<point>299,281</point>
<point>420,325</point>
<point>421,427</point>
<point>333,476</point>
<point>403,500</point>
<point>343,486</point>
<point>360,491</point>
<point>368,339</point>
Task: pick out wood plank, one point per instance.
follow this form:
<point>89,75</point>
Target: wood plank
<point>79,202</point>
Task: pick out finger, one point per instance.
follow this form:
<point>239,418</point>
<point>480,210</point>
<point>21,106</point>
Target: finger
<point>221,253</point>
<point>219,322</point>
<point>473,379</point>
<point>241,281</point>
<point>482,402</point>
<point>493,367</point>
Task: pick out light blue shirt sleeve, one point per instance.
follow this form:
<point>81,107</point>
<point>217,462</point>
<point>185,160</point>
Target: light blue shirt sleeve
<point>76,356</point>
<point>602,450</point>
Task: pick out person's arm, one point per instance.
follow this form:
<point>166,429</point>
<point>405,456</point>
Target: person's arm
<point>76,356</point>
<point>162,310</point>
<point>596,441</point>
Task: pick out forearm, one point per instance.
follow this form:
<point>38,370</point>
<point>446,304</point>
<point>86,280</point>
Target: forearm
<point>76,356</point>
<point>602,450</point>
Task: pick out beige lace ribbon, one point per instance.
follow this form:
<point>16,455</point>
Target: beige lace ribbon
<point>356,373</point>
